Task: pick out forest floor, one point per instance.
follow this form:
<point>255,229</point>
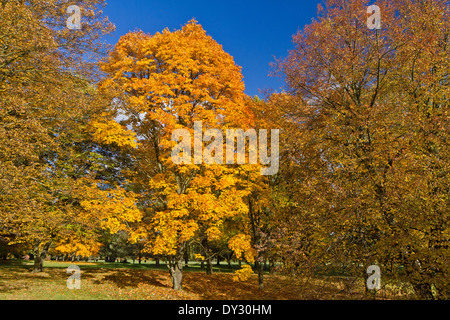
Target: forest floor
<point>114,281</point>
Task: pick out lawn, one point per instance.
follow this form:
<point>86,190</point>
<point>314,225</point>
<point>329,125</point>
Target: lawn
<point>117,281</point>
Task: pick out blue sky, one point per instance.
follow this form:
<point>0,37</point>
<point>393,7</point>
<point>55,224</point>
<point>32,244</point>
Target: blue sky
<point>253,32</point>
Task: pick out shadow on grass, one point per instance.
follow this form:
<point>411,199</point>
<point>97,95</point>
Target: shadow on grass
<point>13,263</point>
<point>131,278</point>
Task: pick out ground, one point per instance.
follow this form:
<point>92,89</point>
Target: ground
<point>115,281</point>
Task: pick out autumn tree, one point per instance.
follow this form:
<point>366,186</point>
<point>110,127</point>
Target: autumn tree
<point>369,113</point>
<point>49,109</point>
<point>256,227</point>
<point>180,80</point>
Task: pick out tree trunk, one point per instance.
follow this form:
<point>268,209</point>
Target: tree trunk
<point>38,263</point>
<point>229,260</point>
<point>209,266</point>
<point>176,273</point>
<point>207,254</point>
<point>39,256</point>
<point>186,258</point>
<point>260,268</point>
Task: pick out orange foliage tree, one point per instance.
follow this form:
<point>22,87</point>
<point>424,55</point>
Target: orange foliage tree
<point>50,116</point>
<point>180,80</point>
<point>368,122</point>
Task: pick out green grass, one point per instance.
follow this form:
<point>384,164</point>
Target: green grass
<point>193,266</point>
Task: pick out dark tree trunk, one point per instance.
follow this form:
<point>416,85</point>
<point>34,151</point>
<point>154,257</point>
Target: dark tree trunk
<point>208,256</point>
<point>186,258</point>
<point>229,260</point>
<point>256,239</point>
<point>260,268</point>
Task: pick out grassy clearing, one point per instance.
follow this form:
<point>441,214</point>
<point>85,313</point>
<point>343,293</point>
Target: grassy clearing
<point>116,281</point>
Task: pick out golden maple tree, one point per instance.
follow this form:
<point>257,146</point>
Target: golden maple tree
<point>169,81</point>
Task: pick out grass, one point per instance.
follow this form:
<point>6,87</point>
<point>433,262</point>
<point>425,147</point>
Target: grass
<point>193,266</point>
<point>146,281</point>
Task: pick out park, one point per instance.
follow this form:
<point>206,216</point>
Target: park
<point>114,128</point>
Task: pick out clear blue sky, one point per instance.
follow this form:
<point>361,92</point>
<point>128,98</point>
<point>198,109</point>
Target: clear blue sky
<point>253,32</point>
